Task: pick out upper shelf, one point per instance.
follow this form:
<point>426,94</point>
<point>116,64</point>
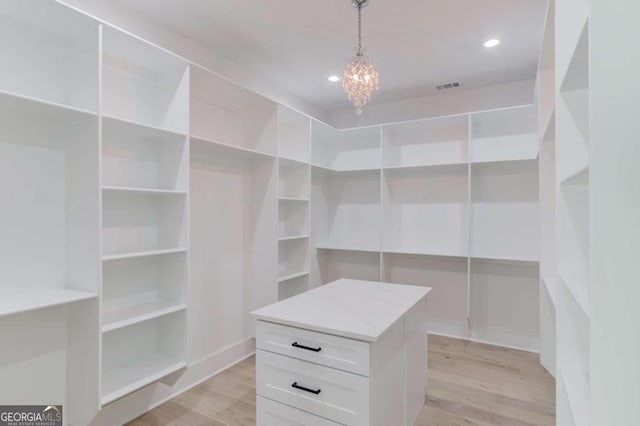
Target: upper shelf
<point>200,143</point>
<point>143,83</point>
<point>49,52</point>
<point>39,299</point>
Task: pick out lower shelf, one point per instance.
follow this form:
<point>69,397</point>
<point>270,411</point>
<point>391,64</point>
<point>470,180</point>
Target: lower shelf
<point>38,299</point>
<point>126,379</point>
<point>138,313</point>
<point>576,386</point>
<point>292,276</point>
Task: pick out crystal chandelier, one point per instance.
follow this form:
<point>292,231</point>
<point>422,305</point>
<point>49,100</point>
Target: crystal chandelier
<point>360,78</point>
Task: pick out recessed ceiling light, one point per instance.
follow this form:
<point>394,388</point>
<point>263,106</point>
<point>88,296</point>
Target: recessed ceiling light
<point>492,43</point>
<point>334,78</point>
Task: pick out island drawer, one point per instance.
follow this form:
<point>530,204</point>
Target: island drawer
<point>326,392</point>
<point>272,413</point>
<point>333,351</point>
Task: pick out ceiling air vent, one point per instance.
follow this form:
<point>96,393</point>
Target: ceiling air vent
<point>445,86</point>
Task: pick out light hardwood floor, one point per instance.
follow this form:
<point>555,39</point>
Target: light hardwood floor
<point>468,384</point>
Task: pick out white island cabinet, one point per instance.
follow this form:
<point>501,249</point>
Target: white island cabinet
<point>347,353</point>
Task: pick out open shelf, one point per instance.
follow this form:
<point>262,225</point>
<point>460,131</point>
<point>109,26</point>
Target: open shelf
<point>345,150</point>
<point>504,211</point>
<point>137,313</point>
<point>294,180</point>
<point>292,276</point>
<point>143,253</point>
<point>424,253</point>
<point>504,303</point>
<point>224,112</point>
<point>331,265</point>
<point>426,210</point>
<point>17,301</point>
<point>50,53</point>
<point>293,286</point>
<point>294,135</point>
<point>141,222</point>
<point>139,288</point>
<point>293,258</point>
<point>139,156</point>
<point>293,219</point>
<point>293,237</point>
<point>141,354</point>
<point>143,190</point>
<point>49,221</point>
<point>345,248</point>
<point>503,135</point>
<point>202,143</point>
<point>447,276</point>
<point>346,209</point>
<point>143,84</point>
<point>426,143</point>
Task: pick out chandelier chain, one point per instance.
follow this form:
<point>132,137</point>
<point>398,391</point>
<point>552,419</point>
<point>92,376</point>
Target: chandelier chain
<point>359,27</point>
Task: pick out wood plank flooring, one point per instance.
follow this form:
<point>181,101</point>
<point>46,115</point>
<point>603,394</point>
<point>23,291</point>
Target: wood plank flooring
<point>468,384</point>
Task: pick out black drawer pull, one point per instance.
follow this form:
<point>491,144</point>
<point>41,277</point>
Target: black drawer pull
<point>296,345</point>
<point>313,391</point>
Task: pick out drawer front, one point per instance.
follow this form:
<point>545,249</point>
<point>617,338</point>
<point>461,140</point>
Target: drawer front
<point>271,413</point>
<point>326,392</point>
<point>332,351</point>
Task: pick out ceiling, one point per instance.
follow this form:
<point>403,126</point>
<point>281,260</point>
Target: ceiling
<point>415,44</point>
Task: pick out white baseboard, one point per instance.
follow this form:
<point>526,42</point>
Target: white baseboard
<point>143,400</point>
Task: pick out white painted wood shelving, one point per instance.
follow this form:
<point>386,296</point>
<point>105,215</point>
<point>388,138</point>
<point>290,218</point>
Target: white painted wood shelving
<point>572,210</point>
<point>152,204</point>
<point>451,203</point>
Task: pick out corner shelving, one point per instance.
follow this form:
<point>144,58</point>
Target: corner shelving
<point>350,150</point>
<point>504,135</point>
<point>426,143</point>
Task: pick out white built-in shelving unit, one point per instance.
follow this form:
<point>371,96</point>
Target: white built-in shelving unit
<point>145,212</point>
<point>572,210</point>
<point>152,204</point>
<point>449,202</point>
<point>294,202</point>
<point>49,220</point>
<point>549,282</point>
